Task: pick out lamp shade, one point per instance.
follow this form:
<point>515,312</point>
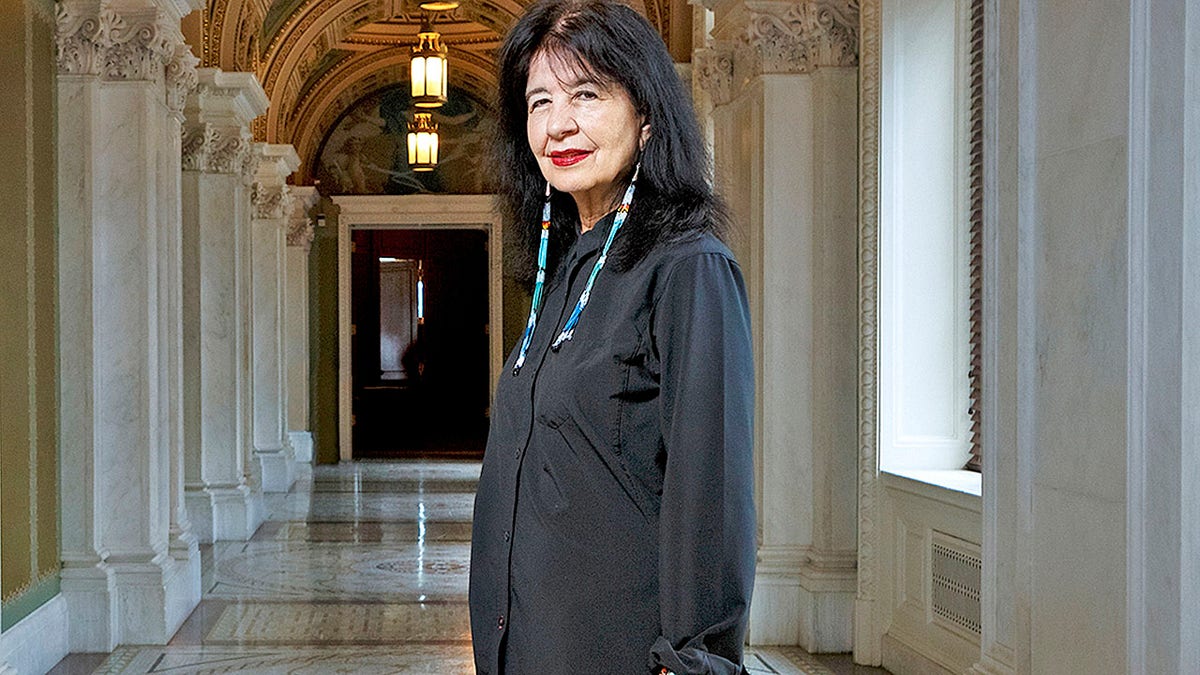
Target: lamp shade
<point>430,74</point>
<point>422,142</point>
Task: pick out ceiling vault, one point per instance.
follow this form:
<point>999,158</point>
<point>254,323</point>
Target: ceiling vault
<point>317,58</point>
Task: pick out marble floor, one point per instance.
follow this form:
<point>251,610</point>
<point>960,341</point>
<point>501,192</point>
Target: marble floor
<point>361,568</point>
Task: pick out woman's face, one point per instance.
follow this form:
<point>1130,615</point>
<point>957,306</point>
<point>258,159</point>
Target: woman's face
<point>583,133</point>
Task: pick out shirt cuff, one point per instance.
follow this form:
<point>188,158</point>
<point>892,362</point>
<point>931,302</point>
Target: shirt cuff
<point>691,659</point>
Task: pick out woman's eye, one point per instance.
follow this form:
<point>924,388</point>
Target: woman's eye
<point>586,95</point>
<point>537,103</point>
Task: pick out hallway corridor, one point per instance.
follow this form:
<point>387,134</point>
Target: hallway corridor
<point>361,568</point>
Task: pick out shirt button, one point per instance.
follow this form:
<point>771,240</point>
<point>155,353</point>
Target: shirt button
<point>507,535</point>
<point>500,623</point>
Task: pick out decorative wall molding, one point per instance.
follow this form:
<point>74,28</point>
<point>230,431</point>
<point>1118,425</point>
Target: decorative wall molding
<point>867,643</point>
<point>271,201</point>
<point>133,45</point>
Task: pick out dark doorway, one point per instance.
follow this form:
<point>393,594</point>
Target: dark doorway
<point>419,343</point>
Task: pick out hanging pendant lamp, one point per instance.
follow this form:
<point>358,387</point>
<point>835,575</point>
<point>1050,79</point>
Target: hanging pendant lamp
<point>422,142</point>
<point>430,72</point>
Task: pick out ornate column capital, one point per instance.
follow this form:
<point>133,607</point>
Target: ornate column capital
<point>300,226</point>
<point>181,78</point>
<point>801,37</point>
<point>759,37</point>
<point>713,69</point>
<point>271,202</point>
<point>209,148</point>
<point>129,44</point>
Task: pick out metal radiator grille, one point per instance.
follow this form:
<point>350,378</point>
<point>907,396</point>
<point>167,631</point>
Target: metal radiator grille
<point>956,568</point>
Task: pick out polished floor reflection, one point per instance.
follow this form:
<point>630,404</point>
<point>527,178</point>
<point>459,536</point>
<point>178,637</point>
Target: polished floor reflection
<point>361,568</point>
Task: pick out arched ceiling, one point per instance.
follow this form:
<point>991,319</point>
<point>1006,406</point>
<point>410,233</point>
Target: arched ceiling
<point>315,58</point>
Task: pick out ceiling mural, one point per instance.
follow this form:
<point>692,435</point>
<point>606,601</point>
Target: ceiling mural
<point>318,59</point>
<point>366,151</point>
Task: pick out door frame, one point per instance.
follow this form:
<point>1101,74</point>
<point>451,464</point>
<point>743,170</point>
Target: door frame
<point>413,212</point>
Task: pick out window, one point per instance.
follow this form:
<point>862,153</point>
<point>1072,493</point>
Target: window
<point>930,234</point>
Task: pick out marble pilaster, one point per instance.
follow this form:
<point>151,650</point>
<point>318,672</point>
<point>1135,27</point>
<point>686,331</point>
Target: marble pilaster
<point>271,208</point>
<point>180,80</point>
<point>295,320</point>
<point>216,143</point>
<point>781,80</point>
<point>130,567</point>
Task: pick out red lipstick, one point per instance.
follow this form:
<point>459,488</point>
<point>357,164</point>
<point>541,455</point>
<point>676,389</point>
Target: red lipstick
<point>568,157</point>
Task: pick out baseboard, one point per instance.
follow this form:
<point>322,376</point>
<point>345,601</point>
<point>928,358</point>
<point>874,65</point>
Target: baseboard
<point>803,599</point>
<point>900,659</point>
<point>38,642</point>
<point>996,661</point>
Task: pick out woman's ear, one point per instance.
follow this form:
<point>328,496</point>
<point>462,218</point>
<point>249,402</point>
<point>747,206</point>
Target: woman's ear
<point>645,136</point>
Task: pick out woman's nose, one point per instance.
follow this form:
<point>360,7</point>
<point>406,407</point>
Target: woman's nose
<point>561,122</point>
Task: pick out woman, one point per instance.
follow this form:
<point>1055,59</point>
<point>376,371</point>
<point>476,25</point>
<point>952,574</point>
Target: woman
<point>614,523</point>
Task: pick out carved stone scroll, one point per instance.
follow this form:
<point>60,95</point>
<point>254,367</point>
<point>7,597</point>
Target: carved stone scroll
<point>776,37</point>
<point>130,45</point>
<point>271,201</point>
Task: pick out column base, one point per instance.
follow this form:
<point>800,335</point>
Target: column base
<point>223,513</point>
<point>185,550</point>
<point>302,446</point>
<point>278,470</point>
<point>799,600</point>
<point>116,603</point>
<point>36,643</point>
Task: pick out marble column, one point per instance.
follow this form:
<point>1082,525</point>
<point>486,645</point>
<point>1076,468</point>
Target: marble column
<point>130,569</point>
<point>295,323</point>
<point>217,142</point>
<point>272,204</point>
<point>181,79</point>
<point>781,79</point>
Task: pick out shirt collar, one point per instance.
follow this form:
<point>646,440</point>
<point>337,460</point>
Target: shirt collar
<point>593,240</point>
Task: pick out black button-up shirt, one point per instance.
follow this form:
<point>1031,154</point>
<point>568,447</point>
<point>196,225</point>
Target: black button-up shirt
<point>614,523</point>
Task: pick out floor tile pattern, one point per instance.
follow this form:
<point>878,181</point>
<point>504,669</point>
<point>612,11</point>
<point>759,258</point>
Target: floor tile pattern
<point>361,568</point>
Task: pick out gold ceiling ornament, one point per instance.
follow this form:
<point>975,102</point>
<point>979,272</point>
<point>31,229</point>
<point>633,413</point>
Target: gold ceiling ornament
<point>422,142</point>
<point>430,69</point>
<point>438,5</point>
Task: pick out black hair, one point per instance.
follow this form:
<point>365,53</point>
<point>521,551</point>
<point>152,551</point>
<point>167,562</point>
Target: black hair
<point>614,44</point>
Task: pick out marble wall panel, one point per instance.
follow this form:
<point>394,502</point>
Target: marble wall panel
<point>1082,320</point>
<point>1082,73</point>
<point>1077,587</point>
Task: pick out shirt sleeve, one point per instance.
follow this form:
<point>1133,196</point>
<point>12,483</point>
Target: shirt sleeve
<point>701,331</point>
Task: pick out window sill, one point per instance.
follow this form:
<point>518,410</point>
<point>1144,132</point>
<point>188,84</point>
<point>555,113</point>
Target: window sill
<point>958,487</point>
